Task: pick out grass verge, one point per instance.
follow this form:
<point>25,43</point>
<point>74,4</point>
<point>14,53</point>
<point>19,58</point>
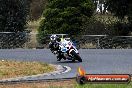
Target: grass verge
<point>104,86</point>
<point>64,84</point>
<point>10,69</point>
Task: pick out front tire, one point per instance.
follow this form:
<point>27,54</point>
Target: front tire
<point>76,56</point>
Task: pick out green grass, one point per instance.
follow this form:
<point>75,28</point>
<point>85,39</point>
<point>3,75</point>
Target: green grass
<point>64,84</point>
<point>104,86</point>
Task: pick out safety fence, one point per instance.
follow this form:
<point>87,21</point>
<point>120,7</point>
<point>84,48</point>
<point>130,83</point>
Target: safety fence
<point>105,42</point>
<point>11,40</point>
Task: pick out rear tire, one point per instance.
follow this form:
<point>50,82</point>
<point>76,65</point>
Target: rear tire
<point>76,56</point>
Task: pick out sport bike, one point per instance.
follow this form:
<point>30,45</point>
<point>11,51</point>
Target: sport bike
<point>68,51</point>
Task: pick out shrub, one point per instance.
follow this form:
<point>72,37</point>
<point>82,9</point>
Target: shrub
<point>65,16</point>
<point>13,17</point>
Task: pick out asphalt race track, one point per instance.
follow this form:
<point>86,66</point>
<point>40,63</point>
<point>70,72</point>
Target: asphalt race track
<point>95,61</point>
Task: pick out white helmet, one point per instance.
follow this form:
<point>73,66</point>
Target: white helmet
<point>53,37</point>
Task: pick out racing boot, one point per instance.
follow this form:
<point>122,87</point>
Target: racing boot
<point>58,58</point>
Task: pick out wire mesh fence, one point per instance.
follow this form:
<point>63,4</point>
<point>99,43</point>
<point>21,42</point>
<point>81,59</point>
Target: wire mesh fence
<point>106,42</point>
<point>13,40</point>
<point>10,40</point>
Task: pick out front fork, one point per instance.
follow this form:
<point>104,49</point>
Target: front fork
<point>72,56</point>
<point>74,50</point>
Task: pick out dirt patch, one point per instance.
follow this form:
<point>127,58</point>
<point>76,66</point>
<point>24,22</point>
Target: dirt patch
<point>11,69</point>
<point>51,84</point>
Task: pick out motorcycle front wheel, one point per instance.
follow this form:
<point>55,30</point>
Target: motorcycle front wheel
<point>76,56</point>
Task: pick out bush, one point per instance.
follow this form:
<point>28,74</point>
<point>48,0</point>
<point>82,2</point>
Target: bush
<point>121,29</point>
<point>65,16</point>
<point>13,17</point>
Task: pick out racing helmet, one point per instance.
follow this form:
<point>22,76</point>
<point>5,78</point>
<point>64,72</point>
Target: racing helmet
<point>53,37</point>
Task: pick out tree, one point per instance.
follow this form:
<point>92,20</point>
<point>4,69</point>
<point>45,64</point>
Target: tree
<point>118,7</point>
<point>122,9</point>
<point>13,17</point>
<point>65,16</point>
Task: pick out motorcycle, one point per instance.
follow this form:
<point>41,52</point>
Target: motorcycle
<point>69,51</point>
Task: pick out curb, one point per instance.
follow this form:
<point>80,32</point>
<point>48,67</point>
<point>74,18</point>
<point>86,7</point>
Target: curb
<point>59,70</point>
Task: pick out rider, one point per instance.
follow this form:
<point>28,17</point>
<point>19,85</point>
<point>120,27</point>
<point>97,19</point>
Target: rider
<point>54,46</point>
